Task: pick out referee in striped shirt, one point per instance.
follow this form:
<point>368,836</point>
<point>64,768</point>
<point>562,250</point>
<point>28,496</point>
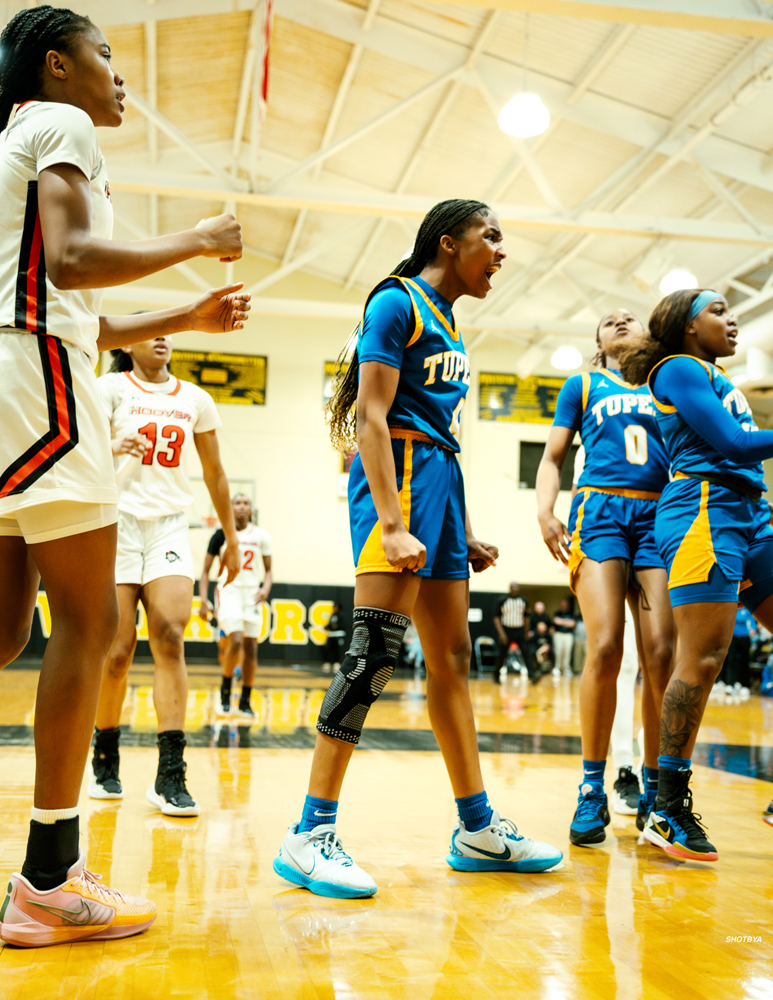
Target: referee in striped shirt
<point>511,621</point>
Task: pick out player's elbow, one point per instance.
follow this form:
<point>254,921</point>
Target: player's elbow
<point>65,270</point>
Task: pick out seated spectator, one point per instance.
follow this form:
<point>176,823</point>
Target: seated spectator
<point>511,621</point>
<point>539,615</point>
<point>540,650</point>
<point>564,624</point>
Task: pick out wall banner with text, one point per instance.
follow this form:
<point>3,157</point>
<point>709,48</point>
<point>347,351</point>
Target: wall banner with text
<point>228,378</point>
<point>525,400</point>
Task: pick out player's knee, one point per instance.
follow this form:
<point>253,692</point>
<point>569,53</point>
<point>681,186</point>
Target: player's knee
<point>170,638</point>
<point>454,665</point>
<point>606,652</point>
<point>234,642</point>
<point>367,667</point>
<point>658,663</point>
<point>13,644</point>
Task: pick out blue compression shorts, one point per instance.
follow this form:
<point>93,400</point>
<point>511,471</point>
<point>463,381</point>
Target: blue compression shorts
<point>612,526</point>
<point>717,544</point>
<point>431,489</point>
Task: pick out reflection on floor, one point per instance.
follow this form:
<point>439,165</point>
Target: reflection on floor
<point>619,921</point>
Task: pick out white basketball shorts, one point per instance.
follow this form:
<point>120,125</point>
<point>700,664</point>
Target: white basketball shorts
<point>236,611</point>
<point>148,550</point>
<point>55,441</point>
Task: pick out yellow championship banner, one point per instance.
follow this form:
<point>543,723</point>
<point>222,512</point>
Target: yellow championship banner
<point>529,400</point>
<point>228,378</point>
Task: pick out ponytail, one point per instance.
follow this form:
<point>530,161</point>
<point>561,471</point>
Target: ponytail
<point>448,218</point>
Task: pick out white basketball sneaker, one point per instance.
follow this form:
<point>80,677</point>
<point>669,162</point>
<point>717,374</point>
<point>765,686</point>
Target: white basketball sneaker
<point>499,847</point>
<point>316,860</point>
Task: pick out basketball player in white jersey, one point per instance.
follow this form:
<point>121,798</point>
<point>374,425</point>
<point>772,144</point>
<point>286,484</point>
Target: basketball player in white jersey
<point>58,502</point>
<point>238,604</point>
<point>155,420</point>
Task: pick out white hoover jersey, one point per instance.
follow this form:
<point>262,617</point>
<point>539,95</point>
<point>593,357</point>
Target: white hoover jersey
<point>254,543</point>
<point>167,414</point>
<point>44,134</point>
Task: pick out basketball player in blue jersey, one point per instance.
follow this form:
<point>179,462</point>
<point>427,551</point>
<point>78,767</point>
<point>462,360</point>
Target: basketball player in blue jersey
<point>610,550</point>
<point>412,542</point>
<point>712,530</point>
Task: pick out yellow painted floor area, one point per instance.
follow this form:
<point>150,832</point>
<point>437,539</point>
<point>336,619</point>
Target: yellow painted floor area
<point>621,921</point>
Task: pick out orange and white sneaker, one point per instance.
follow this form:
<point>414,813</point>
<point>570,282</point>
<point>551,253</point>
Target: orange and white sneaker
<point>80,909</point>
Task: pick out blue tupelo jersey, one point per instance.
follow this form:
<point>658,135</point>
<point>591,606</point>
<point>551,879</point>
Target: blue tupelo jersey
<point>706,422</point>
<point>409,326</point>
<point>618,427</point>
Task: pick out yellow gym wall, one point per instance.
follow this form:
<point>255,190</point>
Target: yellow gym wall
<point>284,446</point>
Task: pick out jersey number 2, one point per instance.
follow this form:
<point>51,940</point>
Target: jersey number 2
<point>636,444</point>
<point>175,438</point>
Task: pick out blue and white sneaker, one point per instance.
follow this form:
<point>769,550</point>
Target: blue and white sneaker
<point>316,860</point>
<point>768,814</point>
<point>590,817</point>
<point>499,847</point>
<point>644,808</point>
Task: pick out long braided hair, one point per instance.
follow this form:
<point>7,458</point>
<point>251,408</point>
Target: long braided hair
<point>448,218</point>
<point>667,327</point>
<point>26,40</point>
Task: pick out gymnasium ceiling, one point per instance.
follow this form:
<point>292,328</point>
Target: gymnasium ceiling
<point>659,153</point>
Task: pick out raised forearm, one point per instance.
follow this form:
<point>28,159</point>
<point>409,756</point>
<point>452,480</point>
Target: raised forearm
<point>122,331</point>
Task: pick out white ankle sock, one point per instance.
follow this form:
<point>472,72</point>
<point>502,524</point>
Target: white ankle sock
<point>50,816</point>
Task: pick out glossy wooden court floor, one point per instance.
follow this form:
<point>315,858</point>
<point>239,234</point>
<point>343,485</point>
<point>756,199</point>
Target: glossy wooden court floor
<point>619,921</point>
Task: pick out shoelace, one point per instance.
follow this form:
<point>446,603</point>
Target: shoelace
<point>689,821</point>
<point>93,884</point>
<point>332,848</point>
<point>509,829</point>
<point>588,806</point>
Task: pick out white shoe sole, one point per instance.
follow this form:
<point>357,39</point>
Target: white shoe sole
<point>166,807</point>
<point>334,890</point>
<point>621,807</point>
<point>96,791</point>
<point>768,817</point>
<point>222,713</point>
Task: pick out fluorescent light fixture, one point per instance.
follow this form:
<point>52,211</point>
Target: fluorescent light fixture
<point>677,279</point>
<point>566,358</point>
<point>525,115</point>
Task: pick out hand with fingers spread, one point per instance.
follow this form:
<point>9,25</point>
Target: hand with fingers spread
<point>222,237</point>
<point>556,536</point>
<point>402,549</point>
<point>133,444</point>
<point>221,310</point>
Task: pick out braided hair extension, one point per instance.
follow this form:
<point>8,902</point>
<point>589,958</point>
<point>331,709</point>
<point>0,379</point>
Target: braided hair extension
<point>667,326</point>
<point>448,218</point>
<point>24,43</point>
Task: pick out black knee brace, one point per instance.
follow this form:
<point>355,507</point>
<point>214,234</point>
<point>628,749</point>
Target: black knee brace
<point>367,667</point>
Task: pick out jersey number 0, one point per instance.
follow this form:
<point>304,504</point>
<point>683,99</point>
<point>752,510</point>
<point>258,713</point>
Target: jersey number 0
<point>169,457</point>
<point>636,444</point>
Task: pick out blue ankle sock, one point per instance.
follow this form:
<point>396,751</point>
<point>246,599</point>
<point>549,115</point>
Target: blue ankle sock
<point>593,773</point>
<point>674,763</point>
<point>474,811</point>
<point>317,812</point>
<point>650,778</point>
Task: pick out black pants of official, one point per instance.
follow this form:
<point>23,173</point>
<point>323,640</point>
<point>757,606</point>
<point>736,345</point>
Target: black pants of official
<point>735,669</point>
<point>514,635</point>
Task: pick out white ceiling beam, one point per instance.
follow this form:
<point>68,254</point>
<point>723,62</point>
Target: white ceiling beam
<point>736,17</point>
<point>303,259</point>
<point>726,17</point>
<point>178,137</point>
<point>416,206</point>
<point>601,59</point>
<point>248,71</point>
<point>426,141</point>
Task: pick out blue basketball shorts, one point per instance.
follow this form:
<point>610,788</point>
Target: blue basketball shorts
<point>613,524</point>
<point>431,490</point>
<point>717,545</point>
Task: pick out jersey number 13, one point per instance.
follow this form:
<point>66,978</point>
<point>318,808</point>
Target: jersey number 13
<point>168,455</point>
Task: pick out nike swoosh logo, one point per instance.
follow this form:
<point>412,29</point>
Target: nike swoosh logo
<point>663,833</point>
<point>318,813</point>
<point>64,913</point>
<point>498,856</point>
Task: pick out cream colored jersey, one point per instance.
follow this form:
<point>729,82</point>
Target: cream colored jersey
<point>43,134</point>
<point>168,414</point>
<point>254,543</point>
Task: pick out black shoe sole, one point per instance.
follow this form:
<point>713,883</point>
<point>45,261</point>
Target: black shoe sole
<point>591,837</point>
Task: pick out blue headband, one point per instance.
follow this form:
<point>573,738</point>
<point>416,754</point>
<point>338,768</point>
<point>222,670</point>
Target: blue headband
<point>702,301</point>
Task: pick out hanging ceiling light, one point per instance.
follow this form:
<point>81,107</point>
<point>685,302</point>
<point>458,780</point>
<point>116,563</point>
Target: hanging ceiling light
<point>677,279</point>
<point>525,115</point>
<point>566,358</point>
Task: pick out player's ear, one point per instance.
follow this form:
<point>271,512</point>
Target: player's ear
<point>447,244</point>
